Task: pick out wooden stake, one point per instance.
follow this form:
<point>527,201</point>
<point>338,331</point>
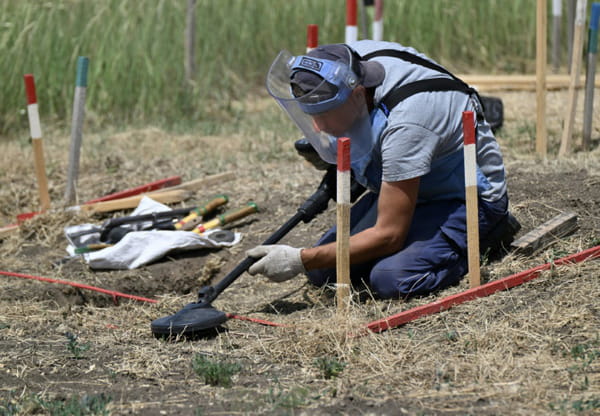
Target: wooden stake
<point>190,36</point>
<point>541,144</point>
<point>36,140</point>
<point>165,197</point>
<point>470,156</point>
<point>343,226</point>
<point>565,144</point>
<point>76,130</point>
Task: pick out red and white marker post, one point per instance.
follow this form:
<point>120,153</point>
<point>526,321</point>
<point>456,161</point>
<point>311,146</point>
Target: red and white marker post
<point>312,37</point>
<point>470,156</point>
<point>36,140</point>
<point>351,25</point>
<point>378,21</point>
<point>343,226</point>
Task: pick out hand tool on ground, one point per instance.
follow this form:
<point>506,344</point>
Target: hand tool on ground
<point>107,233</point>
<point>199,318</point>
<point>112,231</point>
<point>196,215</point>
<point>227,217</point>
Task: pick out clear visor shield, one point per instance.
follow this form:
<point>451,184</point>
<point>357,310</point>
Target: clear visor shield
<point>349,117</point>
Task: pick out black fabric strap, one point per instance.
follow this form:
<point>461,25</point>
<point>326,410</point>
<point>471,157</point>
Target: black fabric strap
<point>401,92</point>
<point>409,57</point>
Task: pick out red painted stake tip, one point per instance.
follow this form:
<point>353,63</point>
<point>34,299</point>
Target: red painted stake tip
<point>343,154</point>
<point>350,12</point>
<point>312,36</point>
<point>468,127</point>
<point>30,88</point>
<point>378,10</point>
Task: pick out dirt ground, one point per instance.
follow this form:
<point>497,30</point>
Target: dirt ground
<point>531,350</point>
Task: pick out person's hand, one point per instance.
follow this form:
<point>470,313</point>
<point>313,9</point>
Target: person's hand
<point>278,262</point>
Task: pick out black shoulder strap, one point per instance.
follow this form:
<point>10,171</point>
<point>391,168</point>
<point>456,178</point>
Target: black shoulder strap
<point>409,57</point>
<point>399,93</point>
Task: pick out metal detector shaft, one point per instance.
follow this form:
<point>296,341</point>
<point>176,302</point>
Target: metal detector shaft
<point>314,205</point>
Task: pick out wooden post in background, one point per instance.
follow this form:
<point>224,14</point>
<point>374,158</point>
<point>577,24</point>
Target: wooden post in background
<point>570,31</point>
<point>541,134</point>
<point>190,44</point>
<point>76,130</point>
<point>378,21</point>
<point>565,144</point>
<point>362,8</point>
<point>36,141</point>
<point>556,25</point>
<point>343,226</point>
<point>470,156</point>
<point>590,75</point>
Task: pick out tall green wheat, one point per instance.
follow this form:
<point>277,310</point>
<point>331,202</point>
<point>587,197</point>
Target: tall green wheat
<point>136,52</point>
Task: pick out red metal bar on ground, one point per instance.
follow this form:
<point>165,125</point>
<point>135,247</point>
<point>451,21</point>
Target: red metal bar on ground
<point>113,293</point>
<point>478,292</point>
<point>152,186</point>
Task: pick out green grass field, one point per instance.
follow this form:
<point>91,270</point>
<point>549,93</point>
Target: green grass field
<point>136,50</point>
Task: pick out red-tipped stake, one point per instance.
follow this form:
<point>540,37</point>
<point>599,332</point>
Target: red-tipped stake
<point>351,26</point>
<point>312,37</point>
<point>343,226</point>
<point>378,21</point>
<point>470,155</point>
<point>36,140</point>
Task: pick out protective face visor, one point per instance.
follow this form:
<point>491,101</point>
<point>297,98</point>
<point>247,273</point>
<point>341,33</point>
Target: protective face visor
<point>329,110</point>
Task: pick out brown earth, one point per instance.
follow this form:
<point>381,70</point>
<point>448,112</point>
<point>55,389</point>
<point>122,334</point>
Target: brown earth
<point>532,350</point>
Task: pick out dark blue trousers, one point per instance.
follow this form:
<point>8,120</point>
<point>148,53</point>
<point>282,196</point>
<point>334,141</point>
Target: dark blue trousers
<point>434,254</point>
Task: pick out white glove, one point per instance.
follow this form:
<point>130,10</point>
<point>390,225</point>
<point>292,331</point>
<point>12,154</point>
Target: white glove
<point>279,262</point>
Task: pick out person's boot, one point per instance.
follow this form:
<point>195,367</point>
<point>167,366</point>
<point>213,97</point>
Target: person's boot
<point>497,243</point>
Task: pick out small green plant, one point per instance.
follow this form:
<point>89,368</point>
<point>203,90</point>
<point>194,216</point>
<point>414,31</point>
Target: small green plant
<point>74,346</point>
<point>584,355</point>
<point>294,398</point>
<point>215,373</point>
<point>452,336</point>
<point>86,405</point>
<point>329,367</point>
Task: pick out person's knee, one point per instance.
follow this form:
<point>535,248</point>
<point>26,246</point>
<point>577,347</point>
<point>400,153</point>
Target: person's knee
<point>393,284</point>
<point>383,284</point>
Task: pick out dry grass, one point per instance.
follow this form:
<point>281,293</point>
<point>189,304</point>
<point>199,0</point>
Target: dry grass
<point>532,350</point>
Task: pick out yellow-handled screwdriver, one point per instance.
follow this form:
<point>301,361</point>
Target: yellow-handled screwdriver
<point>227,217</point>
<point>195,216</point>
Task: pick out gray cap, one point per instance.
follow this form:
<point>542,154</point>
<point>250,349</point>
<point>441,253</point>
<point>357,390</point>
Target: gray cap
<point>370,73</point>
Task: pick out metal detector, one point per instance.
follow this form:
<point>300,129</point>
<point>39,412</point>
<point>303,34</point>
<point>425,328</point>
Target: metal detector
<point>200,318</point>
